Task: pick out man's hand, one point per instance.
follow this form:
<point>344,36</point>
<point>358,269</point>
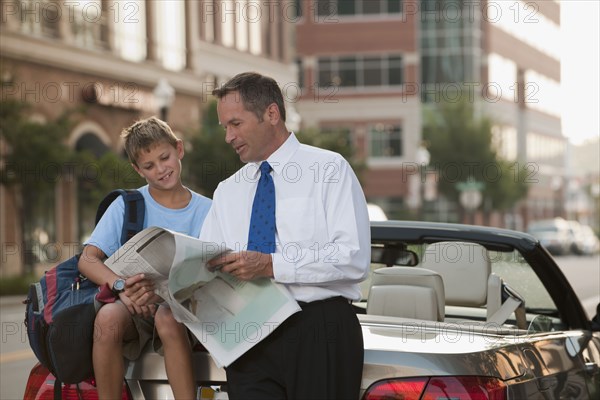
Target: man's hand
<point>245,265</point>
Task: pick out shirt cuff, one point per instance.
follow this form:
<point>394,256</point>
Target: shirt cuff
<point>283,271</point>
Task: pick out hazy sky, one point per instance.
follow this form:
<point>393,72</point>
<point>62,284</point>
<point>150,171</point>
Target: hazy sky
<point>580,69</point>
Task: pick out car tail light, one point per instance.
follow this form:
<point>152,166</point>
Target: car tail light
<point>434,388</point>
<point>40,386</point>
<point>401,389</point>
<point>37,378</point>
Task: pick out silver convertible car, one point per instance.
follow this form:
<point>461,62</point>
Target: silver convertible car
<point>449,312</point>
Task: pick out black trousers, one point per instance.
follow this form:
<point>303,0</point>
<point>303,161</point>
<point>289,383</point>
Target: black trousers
<point>317,353</point>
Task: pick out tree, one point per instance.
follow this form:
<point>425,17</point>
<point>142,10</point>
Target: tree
<point>209,159</point>
<point>460,144</point>
<point>34,161</point>
<point>37,158</point>
<point>96,177</point>
<point>337,140</point>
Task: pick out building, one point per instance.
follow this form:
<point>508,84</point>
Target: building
<point>109,57</point>
<point>371,68</point>
<point>359,64</point>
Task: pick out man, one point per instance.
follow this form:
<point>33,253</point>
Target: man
<point>316,242</point>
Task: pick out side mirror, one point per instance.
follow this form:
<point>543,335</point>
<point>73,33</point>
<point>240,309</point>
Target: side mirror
<point>407,258</point>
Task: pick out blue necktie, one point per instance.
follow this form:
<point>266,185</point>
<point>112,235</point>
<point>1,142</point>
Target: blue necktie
<point>261,236</point>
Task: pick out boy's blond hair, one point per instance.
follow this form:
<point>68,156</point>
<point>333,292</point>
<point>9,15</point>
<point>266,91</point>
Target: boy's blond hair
<point>144,135</point>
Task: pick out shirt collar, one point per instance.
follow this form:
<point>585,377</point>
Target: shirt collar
<point>279,157</point>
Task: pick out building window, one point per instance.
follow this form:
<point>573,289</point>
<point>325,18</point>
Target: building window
<point>450,46</point>
<point>130,38</point>
<point>385,140</point>
<point>300,66</point>
<point>360,71</point>
<point>329,8</point>
<point>39,17</point>
<point>547,150</point>
<point>90,27</point>
<point>298,8</point>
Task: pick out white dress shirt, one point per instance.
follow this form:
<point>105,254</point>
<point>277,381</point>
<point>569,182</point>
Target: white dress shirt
<point>323,234</point>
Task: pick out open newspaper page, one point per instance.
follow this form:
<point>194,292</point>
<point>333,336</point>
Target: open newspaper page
<point>227,315</point>
<point>234,315</point>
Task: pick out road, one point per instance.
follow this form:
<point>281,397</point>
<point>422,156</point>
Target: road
<point>16,359</point>
<point>584,275</point>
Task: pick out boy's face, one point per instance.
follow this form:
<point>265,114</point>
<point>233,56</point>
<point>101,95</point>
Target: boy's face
<point>160,165</point>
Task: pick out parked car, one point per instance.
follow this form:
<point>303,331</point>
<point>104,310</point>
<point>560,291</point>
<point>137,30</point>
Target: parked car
<point>376,213</point>
<point>576,237</point>
<point>554,234</point>
<point>583,240</point>
<point>590,244</point>
<point>449,312</point>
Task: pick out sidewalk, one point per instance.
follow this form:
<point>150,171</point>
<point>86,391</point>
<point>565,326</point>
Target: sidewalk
<point>12,300</point>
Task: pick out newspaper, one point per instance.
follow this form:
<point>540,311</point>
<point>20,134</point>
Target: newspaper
<point>227,315</point>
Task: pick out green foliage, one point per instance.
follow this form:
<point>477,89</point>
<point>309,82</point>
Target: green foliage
<point>209,159</point>
<point>16,285</point>
<point>37,153</point>
<point>460,144</point>
<point>97,177</point>
<point>337,140</point>
<point>36,157</point>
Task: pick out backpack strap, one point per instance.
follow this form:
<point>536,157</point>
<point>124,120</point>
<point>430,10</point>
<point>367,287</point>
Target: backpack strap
<point>57,389</point>
<point>135,210</point>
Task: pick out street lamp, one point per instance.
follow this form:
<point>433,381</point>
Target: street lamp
<point>423,157</point>
<point>164,95</point>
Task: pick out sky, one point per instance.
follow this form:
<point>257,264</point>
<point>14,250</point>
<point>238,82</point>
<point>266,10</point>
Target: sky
<point>580,69</point>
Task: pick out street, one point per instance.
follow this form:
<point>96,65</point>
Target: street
<point>16,358</point>
<point>584,275</point>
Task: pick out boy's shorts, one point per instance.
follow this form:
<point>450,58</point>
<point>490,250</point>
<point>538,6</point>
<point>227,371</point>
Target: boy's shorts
<point>132,349</point>
<point>146,332</point>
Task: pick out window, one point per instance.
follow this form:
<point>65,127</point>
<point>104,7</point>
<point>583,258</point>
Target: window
<point>90,25</point>
<point>347,72</point>
<point>330,8</point>
<point>298,8</point>
<point>360,71</point>
<point>385,140</point>
<point>39,17</point>
<point>300,66</point>
<point>450,44</point>
<point>372,71</point>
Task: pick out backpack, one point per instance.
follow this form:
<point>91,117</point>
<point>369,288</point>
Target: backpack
<point>60,310</point>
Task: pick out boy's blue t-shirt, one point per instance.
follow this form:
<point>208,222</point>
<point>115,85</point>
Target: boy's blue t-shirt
<point>107,234</point>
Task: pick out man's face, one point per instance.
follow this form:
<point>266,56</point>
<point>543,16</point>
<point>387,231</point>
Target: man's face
<point>252,140</point>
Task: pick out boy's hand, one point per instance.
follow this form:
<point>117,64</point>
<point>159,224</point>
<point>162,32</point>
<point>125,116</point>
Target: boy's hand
<point>141,291</point>
<point>244,265</point>
<point>145,311</point>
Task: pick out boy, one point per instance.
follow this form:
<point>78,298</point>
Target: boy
<point>124,327</point>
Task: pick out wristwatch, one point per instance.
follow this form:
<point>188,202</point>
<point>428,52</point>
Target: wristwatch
<point>118,286</point>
